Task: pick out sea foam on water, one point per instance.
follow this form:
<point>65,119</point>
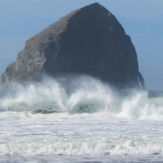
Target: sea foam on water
<point>78,117</point>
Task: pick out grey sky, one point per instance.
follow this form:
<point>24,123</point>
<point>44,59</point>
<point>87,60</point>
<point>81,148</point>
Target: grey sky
<point>141,19</point>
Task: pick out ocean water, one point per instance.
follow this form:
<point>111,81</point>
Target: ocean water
<point>79,120</point>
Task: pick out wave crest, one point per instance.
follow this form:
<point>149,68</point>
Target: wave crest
<point>78,95</point>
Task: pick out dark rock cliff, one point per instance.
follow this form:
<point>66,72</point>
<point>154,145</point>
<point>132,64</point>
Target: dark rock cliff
<point>87,41</point>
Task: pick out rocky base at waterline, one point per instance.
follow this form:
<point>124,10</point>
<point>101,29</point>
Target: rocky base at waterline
<point>87,41</point>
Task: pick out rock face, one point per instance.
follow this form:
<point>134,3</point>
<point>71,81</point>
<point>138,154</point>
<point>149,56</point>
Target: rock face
<point>87,41</point>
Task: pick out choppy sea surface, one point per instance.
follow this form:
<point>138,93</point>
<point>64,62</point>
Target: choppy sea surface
<point>81,120</point>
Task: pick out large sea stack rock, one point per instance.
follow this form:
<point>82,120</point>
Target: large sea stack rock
<point>87,41</point>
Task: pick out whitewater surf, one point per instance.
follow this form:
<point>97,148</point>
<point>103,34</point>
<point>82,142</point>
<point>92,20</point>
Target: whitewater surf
<point>79,119</point>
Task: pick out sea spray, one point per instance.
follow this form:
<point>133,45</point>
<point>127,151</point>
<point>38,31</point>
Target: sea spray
<point>78,94</point>
<point>86,119</point>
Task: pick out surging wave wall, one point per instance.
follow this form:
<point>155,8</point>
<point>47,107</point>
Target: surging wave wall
<point>76,95</point>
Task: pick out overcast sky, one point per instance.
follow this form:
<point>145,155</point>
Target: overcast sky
<point>141,19</point>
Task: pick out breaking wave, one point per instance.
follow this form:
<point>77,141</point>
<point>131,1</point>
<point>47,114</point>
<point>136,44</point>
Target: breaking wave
<point>83,147</point>
<point>76,95</point>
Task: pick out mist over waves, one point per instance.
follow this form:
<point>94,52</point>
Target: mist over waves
<point>78,94</point>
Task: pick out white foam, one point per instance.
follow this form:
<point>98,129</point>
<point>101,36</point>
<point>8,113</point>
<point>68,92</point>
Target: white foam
<point>92,120</point>
<point>91,147</point>
<point>80,95</point>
